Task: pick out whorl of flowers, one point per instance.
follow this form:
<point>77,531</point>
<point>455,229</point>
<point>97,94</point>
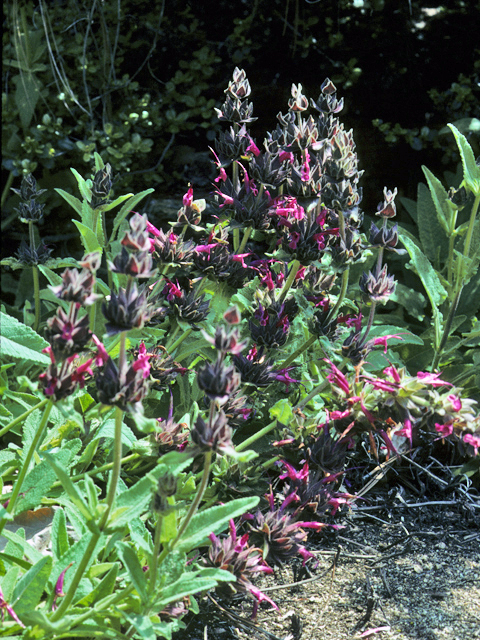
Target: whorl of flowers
<point>242,560</point>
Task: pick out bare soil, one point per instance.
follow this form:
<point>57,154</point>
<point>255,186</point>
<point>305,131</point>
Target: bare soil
<point>403,568</point>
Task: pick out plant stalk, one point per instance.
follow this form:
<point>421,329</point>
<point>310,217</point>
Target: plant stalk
<point>37,439</point>
<point>256,436</point>
<point>290,279</point>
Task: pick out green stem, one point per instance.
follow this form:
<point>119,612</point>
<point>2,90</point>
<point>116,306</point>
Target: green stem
<point>292,357</point>
<point>290,279</point>
<point>256,436</point>
<point>316,390</point>
<point>459,284</point>
<point>245,238</point>
<point>172,336</point>
<point>6,189</point>
<point>37,439</point>
<point>117,465</point>
<point>236,239</point>
<point>104,467</point>
<point>341,295</point>
<point>193,507</point>
<point>65,603</point>
<point>179,340</point>
<point>36,296</point>
<point>371,317</point>
<point>23,417</point>
<point>156,552</point>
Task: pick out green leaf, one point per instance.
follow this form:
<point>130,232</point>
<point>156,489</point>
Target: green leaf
<point>433,287</point>
<point>29,589</point>
<point>413,301</point>
<point>471,172</point>
<point>21,342</point>
<point>411,207</point>
<point>82,186</point>
<point>116,202</point>
<point>87,214</point>
<point>125,210</point>
<point>432,236</point>
<point>142,624</point>
<point>20,542</point>
<point>212,520</point>
<point>59,535</point>
<point>26,96</point>
<point>188,584</point>
<point>69,487</point>
<point>74,202</point>
<point>440,200</point>
<point>102,590</point>
<point>282,411</point>
<point>384,330</point>
<point>89,239</point>
<point>135,571</point>
<point>75,554</point>
<point>107,430</point>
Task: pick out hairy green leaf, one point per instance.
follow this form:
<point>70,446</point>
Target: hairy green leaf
<point>88,237</point>
<point>72,200</point>
<point>212,520</point>
<point>126,209</point>
<point>433,287</point>
<point>21,342</point>
<point>135,571</point>
<point>29,589</point>
<point>471,172</point>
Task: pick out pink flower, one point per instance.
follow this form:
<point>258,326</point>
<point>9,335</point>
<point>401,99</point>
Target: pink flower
<point>59,586</point>
<point>102,355</point>
<point>432,378</point>
<point>474,440</point>
<point>455,402</point>
<point>9,610</point>
<point>81,371</point>
<point>383,341</point>
<point>252,148</point>
<point>293,474</point>
<point>444,429</point>
<point>337,378</point>
<point>141,363</point>
<point>286,156</point>
<point>239,257</point>
<point>406,431</point>
<point>188,198</point>
<point>393,373</point>
<point>153,230</point>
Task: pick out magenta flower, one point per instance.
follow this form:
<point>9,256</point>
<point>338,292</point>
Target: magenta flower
<point>252,148</point>
<point>383,341</point>
<point>432,378</point>
<point>337,378</point>
<point>393,373</point>
<point>188,198</point>
<point>141,363</point>
<point>444,429</point>
<point>102,354</point>
<point>4,606</point>
<point>473,440</point>
<point>406,431</point>
<point>59,587</point>
<point>455,402</point>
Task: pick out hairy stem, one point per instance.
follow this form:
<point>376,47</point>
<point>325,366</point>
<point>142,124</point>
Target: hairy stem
<point>37,439</point>
<point>290,279</point>
<point>293,356</point>
<point>245,238</point>
<point>256,436</point>
<point>23,417</point>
